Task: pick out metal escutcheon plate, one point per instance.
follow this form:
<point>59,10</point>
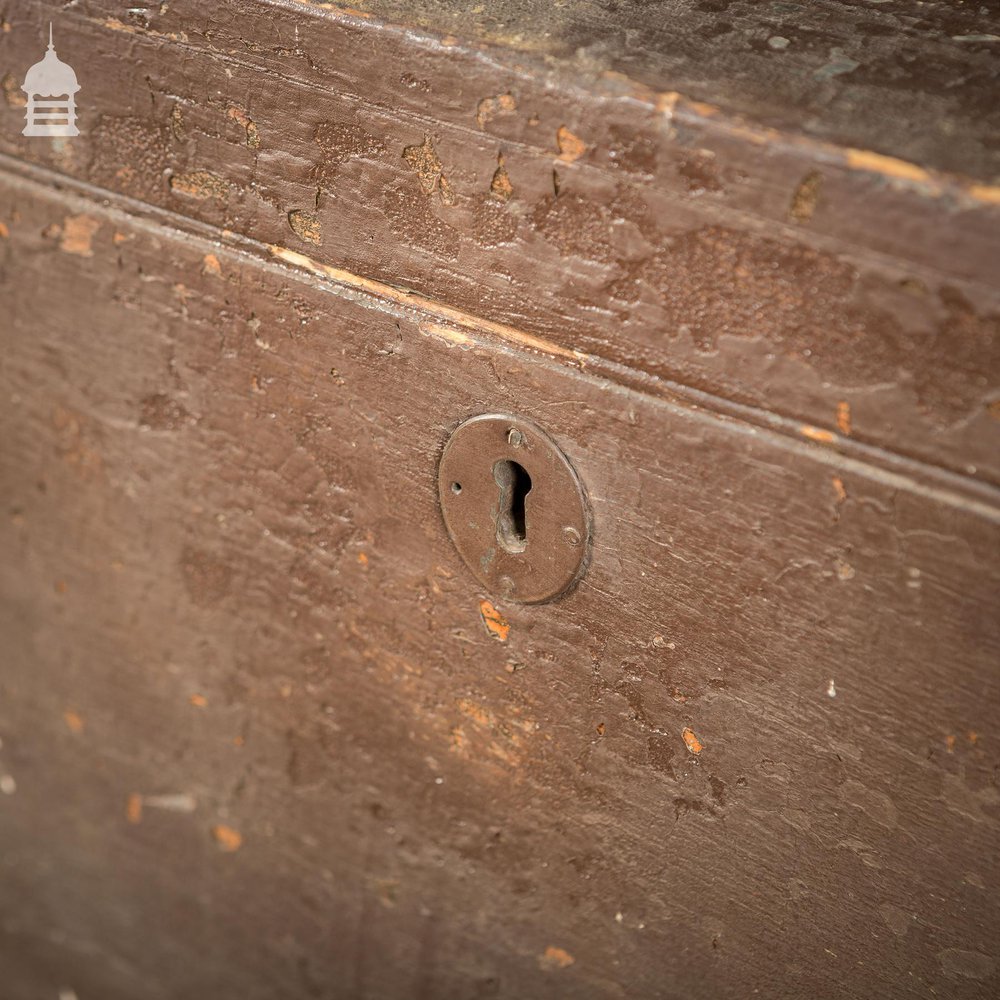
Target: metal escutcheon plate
<point>514,508</point>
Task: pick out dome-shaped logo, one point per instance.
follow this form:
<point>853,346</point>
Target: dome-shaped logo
<point>51,87</point>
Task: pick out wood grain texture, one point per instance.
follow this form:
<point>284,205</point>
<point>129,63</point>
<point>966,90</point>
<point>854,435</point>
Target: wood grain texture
<point>917,80</point>
<point>785,273</point>
<point>263,743</point>
<point>263,736</point>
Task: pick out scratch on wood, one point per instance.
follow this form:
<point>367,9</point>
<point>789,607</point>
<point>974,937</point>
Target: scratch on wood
<point>887,166</point>
<point>406,298</point>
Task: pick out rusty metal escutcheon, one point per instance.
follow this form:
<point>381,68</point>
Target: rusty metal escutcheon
<point>514,508</point>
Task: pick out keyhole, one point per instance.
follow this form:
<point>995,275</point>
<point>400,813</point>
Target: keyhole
<point>515,485</point>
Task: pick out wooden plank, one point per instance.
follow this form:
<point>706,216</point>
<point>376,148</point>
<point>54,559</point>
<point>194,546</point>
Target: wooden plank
<point>781,271</point>
<point>912,80</point>
<point>262,744</point>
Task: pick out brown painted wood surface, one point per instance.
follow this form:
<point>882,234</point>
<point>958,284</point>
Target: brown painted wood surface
<point>262,734</point>
<point>786,277</point>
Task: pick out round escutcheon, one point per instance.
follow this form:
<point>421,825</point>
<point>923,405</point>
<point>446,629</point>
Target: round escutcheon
<point>514,508</point>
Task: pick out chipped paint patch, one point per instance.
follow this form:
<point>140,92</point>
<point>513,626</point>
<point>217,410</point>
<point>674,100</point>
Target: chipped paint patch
<point>74,721</point>
<point>840,492</point>
<point>805,197</point>
<point>114,24</point>
<point>845,571</point>
<point>249,126</point>
<point>228,839</point>
<point>133,808</point>
<point>306,226</point>
<point>666,103</point>
<point>500,186</point>
<point>4,231</point>
<point>426,164</point>
<point>571,147</point>
<point>200,185</point>
<point>555,958</point>
<point>211,265</point>
<point>480,716</point>
<point>177,122</point>
<point>844,418</point>
<point>490,107</point>
<point>495,623</point>
<point>198,700</point>
<point>77,235</point>
<point>691,741</point>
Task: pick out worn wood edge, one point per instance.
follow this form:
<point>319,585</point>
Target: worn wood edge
<point>675,106</point>
<point>885,175</point>
<point>465,331</point>
<point>890,173</point>
<point>890,169</point>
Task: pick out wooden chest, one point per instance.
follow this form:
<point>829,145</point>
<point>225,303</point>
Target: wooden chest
<point>727,273</point>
